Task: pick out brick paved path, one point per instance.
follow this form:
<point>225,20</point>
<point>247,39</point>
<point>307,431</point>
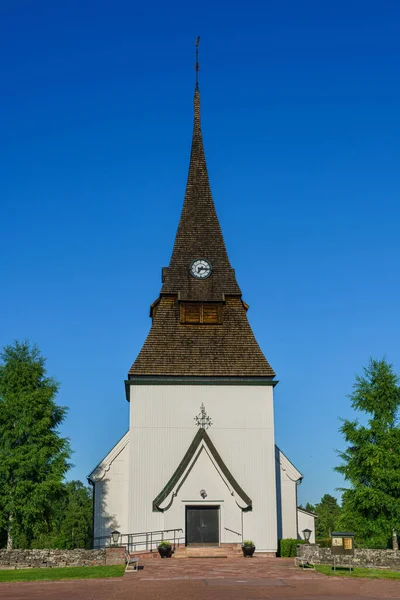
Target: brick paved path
<point>209,579</point>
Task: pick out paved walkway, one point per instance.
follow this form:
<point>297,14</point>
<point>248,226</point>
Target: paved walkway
<point>209,579</point>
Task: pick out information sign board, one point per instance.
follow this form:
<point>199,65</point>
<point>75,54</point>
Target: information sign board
<point>342,543</point>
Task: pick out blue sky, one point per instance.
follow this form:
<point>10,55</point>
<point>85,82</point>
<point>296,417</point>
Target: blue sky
<point>300,113</point>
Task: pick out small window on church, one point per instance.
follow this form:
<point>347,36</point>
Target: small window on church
<point>194,313</point>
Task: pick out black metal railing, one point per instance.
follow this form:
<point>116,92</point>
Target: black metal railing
<point>145,540</point>
<point>233,531</point>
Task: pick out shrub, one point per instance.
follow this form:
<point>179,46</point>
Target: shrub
<point>372,543</point>
<point>164,544</point>
<point>287,547</point>
<point>248,543</point>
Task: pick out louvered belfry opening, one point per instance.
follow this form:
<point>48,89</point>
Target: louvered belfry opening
<point>201,313</point>
<point>199,326</point>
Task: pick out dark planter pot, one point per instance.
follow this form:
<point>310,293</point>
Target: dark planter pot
<point>165,551</point>
<point>248,551</point>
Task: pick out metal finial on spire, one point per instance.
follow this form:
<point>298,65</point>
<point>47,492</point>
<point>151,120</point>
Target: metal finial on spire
<point>197,60</point>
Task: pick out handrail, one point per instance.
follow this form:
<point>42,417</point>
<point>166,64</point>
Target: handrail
<point>101,537</point>
<point>237,533</point>
<point>130,541</point>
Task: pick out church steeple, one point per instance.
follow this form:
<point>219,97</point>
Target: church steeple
<point>199,323</point>
<point>199,234</point>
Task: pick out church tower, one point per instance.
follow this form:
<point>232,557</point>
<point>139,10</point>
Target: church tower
<point>199,324</point>
<point>200,453</point>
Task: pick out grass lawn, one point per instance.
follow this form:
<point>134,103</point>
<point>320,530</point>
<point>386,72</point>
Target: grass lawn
<point>358,572</point>
<point>59,573</point>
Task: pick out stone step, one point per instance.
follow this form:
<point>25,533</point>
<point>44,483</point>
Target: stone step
<point>224,551</point>
<point>145,554</point>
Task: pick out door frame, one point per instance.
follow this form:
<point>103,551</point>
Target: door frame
<point>201,505</point>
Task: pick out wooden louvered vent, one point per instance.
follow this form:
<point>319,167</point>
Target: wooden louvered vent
<point>206,313</point>
<point>210,313</point>
<point>191,313</point>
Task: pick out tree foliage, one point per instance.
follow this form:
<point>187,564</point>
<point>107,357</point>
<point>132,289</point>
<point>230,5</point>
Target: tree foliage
<point>73,520</point>
<point>33,455</point>
<point>371,461</point>
<point>70,520</point>
<point>310,507</point>
<point>328,511</point>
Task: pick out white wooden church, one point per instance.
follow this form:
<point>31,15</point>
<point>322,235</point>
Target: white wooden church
<point>199,461</point>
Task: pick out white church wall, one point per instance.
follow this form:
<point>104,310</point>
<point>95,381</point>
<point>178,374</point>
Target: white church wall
<point>306,520</point>
<point>289,502</point>
<point>163,427</point>
<point>287,478</point>
<point>111,490</point>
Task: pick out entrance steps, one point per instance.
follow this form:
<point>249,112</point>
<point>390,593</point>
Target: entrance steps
<point>222,551</point>
<point>145,554</point>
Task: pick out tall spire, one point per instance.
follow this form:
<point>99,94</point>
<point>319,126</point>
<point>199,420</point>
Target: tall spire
<point>199,233</point>
<point>197,60</point>
<point>197,94</point>
<point>177,346</point>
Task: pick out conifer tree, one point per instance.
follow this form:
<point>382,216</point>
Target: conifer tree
<point>328,511</point>
<point>71,519</point>
<point>33,455</point>
<point>371,462</point>
<point>310,507</point>
<point>74,519</point>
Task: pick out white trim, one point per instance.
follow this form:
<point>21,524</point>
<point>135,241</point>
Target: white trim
<point>98,472</point>
<point>203,502</point>
<point>286,465</point>
<point>307,512</point>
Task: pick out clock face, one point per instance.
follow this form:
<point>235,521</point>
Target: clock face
<point>200,268</point>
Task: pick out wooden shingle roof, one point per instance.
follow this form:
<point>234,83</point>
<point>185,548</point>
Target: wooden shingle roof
<point>227,349</point>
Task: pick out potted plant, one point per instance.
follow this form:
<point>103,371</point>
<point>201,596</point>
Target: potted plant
<point>164,549</point>
<point>248,548</point>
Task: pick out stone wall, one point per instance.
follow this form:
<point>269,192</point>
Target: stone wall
<point>363,557</point>
<point>115,556</point>
<point>22,559</point>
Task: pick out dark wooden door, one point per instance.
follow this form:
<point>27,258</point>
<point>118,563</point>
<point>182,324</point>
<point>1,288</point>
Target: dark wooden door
<point>202,525</point>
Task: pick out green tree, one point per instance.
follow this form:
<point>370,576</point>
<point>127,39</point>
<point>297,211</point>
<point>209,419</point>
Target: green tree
<point>371,461</point>
<point>328,511</point>
<point>33,456</point>
<point>310,507</point>
<point>76,518</point>
<point>70,520</point>
<point>77,522</point>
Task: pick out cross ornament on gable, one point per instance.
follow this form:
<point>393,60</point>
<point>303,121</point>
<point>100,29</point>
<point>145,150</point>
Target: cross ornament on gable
<point>202,419</point>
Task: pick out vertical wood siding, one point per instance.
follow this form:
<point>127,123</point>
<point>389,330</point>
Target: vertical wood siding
<point>162,428</point>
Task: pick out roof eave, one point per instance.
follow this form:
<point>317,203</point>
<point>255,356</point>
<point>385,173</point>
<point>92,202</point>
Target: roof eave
<point>134,379</point>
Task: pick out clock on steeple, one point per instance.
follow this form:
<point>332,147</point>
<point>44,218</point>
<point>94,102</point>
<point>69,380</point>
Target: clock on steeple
<point>200,268</point>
